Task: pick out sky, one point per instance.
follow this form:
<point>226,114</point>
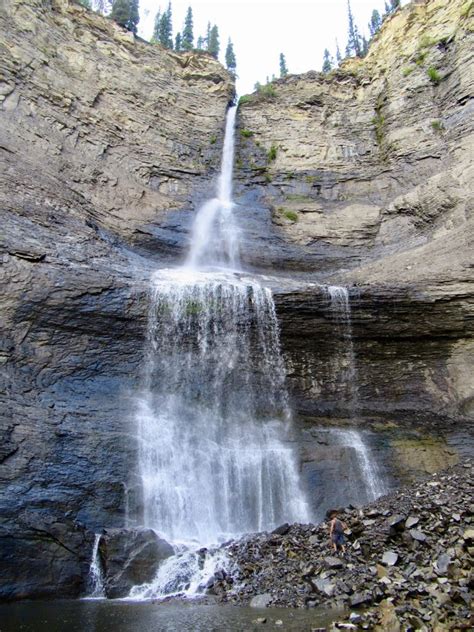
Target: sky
<point>262,29</point>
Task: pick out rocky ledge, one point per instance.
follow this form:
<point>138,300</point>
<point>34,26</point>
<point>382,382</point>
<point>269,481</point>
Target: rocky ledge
<point>408,563</point>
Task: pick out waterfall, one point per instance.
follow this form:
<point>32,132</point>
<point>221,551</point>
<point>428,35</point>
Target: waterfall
<point>214,425</point>
<point>340,306</point>
<point>215,234</point>
<point>95,579</point>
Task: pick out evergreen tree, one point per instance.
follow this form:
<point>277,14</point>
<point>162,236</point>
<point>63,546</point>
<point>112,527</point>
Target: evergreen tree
<point>85,3</point>
<point>208,35</point>
<point>387,9</point>
<point>165,31</point>
<point>213,46</point>
<point>327,61</point>
<point>230,60</point>
<point>364,47</point>
<point>353,40</point>
<point>394,4</point>
<point>187,41</point>
<point>134,18</point>
<point>200,43</point>
<point>375,23</point>
<point>121,12</point>
<point>338,53</point>
<point>156,27</point>
<point>178,43</point>
<point>283,68</point>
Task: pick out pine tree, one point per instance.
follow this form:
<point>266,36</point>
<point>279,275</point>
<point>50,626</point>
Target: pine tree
<point>208,35</point>
<point>353,39</point>
<point>394,4</point>
<point>121,12</point>
<point>338,53</point>
<point>364,47</point>
<point>187,41</point>
<point>200,43</point>
<point>230,60</point>
<point>213,45</point>
<point>134,18</point>
<point>178,43</point>
<point>375,23</point>
<point>387,9</point>
<point>283,68</point>
<point>327,62</point>
<point>165,32</point>
<point>156,27</point>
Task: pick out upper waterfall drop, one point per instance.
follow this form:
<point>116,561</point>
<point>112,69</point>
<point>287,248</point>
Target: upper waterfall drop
<point>215,235</point>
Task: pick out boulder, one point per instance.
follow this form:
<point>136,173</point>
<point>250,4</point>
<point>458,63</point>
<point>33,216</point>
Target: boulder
<point>130,557</point>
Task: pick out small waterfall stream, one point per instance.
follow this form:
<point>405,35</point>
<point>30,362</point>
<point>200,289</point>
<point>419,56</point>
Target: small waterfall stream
<point>95,579</point>
<point>346,367</point>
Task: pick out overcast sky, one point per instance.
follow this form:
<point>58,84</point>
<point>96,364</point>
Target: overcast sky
<point>262,29</point>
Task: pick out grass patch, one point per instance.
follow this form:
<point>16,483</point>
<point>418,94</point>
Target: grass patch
<point>378,121</point>
<point>272,153</point>
<point>433,75</point>
<point>246,98</point>
<point>298,197</point>
<point>437,126</point>
<point>246,133</point>
<point>426,41</point>
<point>420,57</point>
<point>267,91</point>
<point>292,216</point>
<point>407,70</point>
<point>213,140</point>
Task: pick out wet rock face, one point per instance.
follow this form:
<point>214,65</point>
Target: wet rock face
<point>130,557</point>
<point>100,137</point>
<point>424,573</point>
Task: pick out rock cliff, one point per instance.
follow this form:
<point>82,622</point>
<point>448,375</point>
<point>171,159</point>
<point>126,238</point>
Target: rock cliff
<point>364,178</point>
<point>361,178</point>
<point>102,140</point>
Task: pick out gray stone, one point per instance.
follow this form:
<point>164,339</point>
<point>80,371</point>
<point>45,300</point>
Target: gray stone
<point>411,521</point>
<point>261,601</point>
<point>360,598</point>
<point>325,586</point>
<point>390,558</point>
<point>419,536</point>
<point>333,562</point>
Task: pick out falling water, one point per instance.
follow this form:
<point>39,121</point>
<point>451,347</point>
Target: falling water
<point>214,425</point>
<point>347,382</point>
<point>215,235</point>
<point>95,579</point>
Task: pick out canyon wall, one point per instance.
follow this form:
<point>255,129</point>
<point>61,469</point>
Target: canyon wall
<point>361,178</point>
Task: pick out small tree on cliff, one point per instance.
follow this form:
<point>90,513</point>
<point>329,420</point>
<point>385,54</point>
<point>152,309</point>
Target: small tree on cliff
<point>178,46</point>
<point>213,45</point>
<point>338,53</point>
<point>327,61</point>
<point>283,68</point>
<point>354,46</point>
<point>134,18</point>
<point>165,29</point>
<point>187,41</point>
<point>121,12</point>
<point>230,60</point>
<point>375,23</point>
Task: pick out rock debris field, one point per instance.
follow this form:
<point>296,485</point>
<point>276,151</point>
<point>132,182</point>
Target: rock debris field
<point>407,566</point>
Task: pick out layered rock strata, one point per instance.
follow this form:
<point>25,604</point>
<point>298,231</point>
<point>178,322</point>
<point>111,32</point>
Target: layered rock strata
<point>101,138</point>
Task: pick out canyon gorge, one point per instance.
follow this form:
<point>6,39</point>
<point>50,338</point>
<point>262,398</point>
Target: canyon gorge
<point>353,193</point>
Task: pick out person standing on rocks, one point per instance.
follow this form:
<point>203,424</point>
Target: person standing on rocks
<point>336,532</point>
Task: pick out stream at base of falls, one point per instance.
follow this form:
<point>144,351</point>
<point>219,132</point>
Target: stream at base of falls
<point>123,616</point>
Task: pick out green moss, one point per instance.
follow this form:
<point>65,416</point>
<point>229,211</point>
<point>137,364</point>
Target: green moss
<point>420,57</point>
<point>437,126</point>
<point>272,153</point>
<point>213,140</point>
<point>298,197</point>
<point>246,133</point>
<point>426,41</point>
<point>434,75</point>
<point>407,70</point>
<point>378,121</point>
<point>291,215</point>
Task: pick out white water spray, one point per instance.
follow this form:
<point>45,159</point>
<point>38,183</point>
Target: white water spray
<point>340,305</point>
<point>214,425</point>
<point>95,578</point>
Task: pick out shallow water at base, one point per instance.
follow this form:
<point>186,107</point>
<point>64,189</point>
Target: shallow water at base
<point>122,616</point>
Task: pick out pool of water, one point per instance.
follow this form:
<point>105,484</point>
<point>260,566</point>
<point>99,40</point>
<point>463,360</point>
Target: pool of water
<point>123,616</point>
